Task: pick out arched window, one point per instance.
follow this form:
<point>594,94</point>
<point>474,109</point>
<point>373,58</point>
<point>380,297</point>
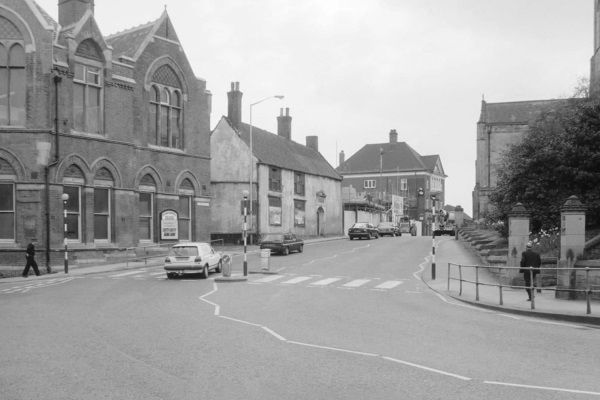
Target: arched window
<point>87,88</point>
<point>166,108</point>
<point>73,181</point>
<point>146,208</point>
<point>103,184</point>
<point>12,84</point>
<point>186,193</point>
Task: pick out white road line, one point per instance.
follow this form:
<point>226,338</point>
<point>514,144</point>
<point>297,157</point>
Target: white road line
<point>126,274</point>
<point>273,333</point>
<point>332,348</point>
<point>464,378</point>
<point>240,321</point>
<point>297,280</point>
<point>268,279</point>
<point>389,285</point>
<point>543,388</point>
<point>324,282</point>
<point>356,283</point>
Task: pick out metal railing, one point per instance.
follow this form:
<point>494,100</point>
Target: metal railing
<point>588,290</point>
<point>146,253</point>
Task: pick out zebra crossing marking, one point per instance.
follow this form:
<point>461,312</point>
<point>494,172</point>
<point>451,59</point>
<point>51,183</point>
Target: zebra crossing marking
<point>388,285</point>
<point>325,282</point>
<point>297,280</point>
<point>356,283</point>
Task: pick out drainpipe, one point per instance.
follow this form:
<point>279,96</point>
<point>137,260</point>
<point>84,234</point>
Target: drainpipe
<point>57,80</point>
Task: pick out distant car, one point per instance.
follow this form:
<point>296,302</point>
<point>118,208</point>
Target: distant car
<point>363,230</point>
<point>282,243</point>
<point>192,257</point>
<point>388,228</point>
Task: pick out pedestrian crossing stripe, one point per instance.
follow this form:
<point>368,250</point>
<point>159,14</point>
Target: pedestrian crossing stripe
<point>388,285</point>
<point>357,283</point>
<point>297,280</point>
<point>325,282</point>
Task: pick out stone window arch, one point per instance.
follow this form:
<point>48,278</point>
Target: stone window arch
<point>166,108</point>
<point>12,75</point>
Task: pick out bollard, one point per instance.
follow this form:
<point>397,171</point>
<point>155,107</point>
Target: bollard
<point>265,258</point>
<point>226,266</point>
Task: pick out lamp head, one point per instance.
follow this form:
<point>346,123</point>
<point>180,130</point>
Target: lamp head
<point>245,194</point>
<point>65,197</point>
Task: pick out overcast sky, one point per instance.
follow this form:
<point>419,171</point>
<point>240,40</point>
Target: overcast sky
<point>352,70</point>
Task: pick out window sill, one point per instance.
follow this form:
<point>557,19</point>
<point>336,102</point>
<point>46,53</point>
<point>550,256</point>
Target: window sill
<point>88,134</point>
<point>167,149</point>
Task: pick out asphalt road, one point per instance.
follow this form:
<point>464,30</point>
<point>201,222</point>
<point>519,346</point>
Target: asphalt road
<point>342,320</point>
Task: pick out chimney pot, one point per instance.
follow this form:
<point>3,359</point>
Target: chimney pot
<point>312,142</point>
<point>234,106</point>
<point>284,125</point>
<point>393,136</point>
<point>342,157</point>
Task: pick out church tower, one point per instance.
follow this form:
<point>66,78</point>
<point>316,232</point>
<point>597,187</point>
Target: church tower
<point>595,62</point>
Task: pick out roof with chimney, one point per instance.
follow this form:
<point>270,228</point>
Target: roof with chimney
<point>397,157</point>
<point>275,150</point>
<point>518,112</point>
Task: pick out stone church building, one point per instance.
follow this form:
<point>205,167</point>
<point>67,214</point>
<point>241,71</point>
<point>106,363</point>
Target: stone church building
<point>502,124</point>
<point>118,123</point>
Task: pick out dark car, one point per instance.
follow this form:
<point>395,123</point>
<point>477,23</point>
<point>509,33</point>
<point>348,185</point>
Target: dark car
<point>388,228</point>
<point>282,243</point>
<point>363,230</point>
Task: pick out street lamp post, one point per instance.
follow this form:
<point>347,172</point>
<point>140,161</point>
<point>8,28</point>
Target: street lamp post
<point>245,233</point>
<point>250,166</point>
<point>65,198</point>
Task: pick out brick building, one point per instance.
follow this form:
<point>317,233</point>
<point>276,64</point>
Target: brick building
<point>119,123</point>
<point>394,177</point>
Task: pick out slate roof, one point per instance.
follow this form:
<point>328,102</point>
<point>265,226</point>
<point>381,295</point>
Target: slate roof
<point>277,151</point>
<point>128,42</point>
<point>396,157</point>
<point>518,112</point>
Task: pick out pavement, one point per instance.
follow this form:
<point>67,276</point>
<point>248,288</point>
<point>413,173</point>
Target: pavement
<point>448,250</point>
<point>514,300</point>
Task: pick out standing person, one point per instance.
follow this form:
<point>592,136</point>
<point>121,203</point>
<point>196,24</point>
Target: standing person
<point>30,255</point>
<point>529,259</point>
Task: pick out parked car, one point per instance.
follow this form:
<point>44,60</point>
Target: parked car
<point>388,228</point>
<point>282,243</point>
<point>363,230</point>
<point>192,257</point>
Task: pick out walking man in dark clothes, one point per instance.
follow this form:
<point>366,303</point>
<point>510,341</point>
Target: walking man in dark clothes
<point>30,255</point>
<point>529,259</point>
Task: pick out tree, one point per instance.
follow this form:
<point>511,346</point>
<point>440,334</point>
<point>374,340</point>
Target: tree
<point>559,156</point>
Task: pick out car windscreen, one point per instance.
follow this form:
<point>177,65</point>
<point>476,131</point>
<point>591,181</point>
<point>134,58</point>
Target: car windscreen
<point>272,237</point>
<point>357,225</point>
<point>386,225</point>
<point>184,251</point>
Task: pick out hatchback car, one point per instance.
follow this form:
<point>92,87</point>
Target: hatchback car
<point>192,257</point>
<point>282,243</point>
<point>363,229</point>
<point>388,228</point>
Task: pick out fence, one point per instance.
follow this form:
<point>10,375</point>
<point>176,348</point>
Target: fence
<point>145,253</point>
<point>589,289</point>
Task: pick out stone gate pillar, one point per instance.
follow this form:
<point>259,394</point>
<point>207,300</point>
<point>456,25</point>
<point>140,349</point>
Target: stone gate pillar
<point>572,244</point>
<point>518,236</point>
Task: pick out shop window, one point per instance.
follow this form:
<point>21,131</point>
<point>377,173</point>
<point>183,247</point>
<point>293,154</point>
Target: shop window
<point>299,213</point>
<point>274,211</point>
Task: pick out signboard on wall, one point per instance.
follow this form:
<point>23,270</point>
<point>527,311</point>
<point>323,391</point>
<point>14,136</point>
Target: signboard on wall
<point>169,223</point>
<point>397,206</point>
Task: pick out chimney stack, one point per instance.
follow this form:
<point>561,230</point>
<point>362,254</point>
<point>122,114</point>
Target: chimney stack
<point>71,11</point>
<point>342,157</point>
<point>284,124</point>
<point>393,136</point>
<point>312,142</point>
<point>234,105</point>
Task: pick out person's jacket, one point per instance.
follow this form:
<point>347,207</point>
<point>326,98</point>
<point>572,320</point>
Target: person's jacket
<point>530,259</point>
<point>30,250</point>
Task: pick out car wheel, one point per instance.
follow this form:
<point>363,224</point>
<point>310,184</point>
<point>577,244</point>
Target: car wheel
<point>393,235</point>
<point>376,235</point>
<point>171,275</point>
<point>351,237</point>
<point>205,272</point>
<point>301,248</point>
<point>219,267</point>
<point>368,236</point>
<point>286,251</point>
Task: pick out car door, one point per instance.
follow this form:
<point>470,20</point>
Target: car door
<point>295,245</point>
<point>287,241</point>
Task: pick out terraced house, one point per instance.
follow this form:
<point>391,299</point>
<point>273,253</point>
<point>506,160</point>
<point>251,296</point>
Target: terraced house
<point>294,189</point>
<point>119,123</point>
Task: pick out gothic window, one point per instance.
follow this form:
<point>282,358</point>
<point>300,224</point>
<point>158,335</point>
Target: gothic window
<point>166,107</point>
<point>186,191</point>
<point>12,82</point>
<point>87,88</point>
<point>73,181</point>
<point>103,184</point>
<point>146,208</point>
